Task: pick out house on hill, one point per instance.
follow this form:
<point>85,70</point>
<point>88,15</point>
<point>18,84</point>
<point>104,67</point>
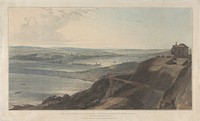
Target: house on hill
<point>180,51</point>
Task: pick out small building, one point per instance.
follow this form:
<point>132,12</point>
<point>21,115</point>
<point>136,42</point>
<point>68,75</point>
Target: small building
<point>180,51</point>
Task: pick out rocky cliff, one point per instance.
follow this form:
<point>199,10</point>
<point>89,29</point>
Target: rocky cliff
<point>158,83</point>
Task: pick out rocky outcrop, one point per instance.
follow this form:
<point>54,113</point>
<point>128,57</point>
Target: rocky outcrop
<point>179,95</point>
<point>156,84</point>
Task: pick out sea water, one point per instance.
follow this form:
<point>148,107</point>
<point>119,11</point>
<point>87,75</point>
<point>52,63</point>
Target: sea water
<point>32,89</point>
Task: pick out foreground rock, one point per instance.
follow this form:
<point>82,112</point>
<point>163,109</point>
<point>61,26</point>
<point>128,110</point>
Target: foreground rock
<point>156,84</point>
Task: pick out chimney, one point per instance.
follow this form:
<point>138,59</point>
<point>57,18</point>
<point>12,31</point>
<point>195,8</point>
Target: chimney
<point>176,44</point>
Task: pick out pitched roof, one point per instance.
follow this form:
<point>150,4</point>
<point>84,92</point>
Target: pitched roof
<point>181,45</point>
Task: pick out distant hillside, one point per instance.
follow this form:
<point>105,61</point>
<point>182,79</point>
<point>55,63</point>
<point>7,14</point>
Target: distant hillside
<point>57,55</point>
<point>39,53</point>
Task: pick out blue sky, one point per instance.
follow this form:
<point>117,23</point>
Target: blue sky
<point>133,28</point>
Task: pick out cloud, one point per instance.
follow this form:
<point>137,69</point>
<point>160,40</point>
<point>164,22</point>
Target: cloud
<point>44,26</point>
<point>108,27</point>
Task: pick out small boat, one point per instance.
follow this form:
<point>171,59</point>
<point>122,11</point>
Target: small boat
<point>17,92</point>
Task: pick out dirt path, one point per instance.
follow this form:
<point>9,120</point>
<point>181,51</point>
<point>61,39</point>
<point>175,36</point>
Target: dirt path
<point>133,83</point>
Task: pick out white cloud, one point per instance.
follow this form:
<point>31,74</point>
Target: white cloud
<point>43,25</point>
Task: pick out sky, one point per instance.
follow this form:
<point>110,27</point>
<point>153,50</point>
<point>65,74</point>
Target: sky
<point>125,28</point>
